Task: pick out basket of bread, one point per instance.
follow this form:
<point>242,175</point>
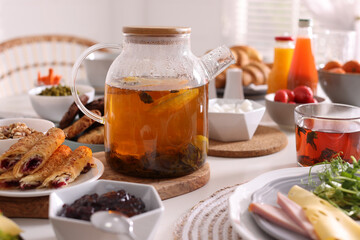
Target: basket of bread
<point>250,61</point>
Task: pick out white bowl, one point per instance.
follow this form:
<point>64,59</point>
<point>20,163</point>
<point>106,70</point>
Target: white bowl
<point>228,127</point>
<point>53,108</point>
<point>145,224</point>
<point>40,125</point>
<point>97,65</point>
<point>283,113</point>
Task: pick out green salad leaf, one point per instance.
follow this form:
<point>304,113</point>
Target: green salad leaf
<point>339,184</point>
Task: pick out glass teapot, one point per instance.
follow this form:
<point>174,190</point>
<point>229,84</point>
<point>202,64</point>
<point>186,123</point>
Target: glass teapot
<point>156,102</point>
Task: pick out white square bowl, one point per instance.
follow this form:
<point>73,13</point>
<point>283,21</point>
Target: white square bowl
<point>65,228</point>
<point>230,127</point>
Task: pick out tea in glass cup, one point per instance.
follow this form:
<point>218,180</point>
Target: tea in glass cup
<point>324,130</point>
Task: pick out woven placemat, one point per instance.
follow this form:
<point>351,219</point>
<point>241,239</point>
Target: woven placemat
<point>208,220</point>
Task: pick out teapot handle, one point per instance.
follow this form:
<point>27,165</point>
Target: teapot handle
<point>74,72</point>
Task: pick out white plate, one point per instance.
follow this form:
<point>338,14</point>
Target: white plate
<point>240,218</point>
<point>90,176</point>
<point>253,89</point>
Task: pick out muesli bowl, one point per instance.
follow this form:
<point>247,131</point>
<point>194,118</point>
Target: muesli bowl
<point>37,124</point>
<point>144,224</point>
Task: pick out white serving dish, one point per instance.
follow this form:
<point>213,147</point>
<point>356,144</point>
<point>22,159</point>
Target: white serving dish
<point>227,127</point>
<point>40,125</point>
<point>145,224</point>
<point>53,108</point>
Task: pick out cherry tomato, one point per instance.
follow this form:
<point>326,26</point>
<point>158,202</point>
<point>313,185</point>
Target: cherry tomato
<point>291,95</point>
<point>303,94</point>
<point>313,100</point>
<point>281,96</point>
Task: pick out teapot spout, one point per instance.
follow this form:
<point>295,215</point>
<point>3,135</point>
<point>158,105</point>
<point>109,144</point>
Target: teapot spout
<point>216,61</point>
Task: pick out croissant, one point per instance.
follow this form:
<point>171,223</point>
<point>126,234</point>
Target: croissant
<point>250,61</point>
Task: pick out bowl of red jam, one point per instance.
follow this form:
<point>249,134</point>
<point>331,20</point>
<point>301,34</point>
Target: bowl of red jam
<point>70,209</point>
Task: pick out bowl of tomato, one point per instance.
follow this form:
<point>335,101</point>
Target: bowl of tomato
<point>280,105</point>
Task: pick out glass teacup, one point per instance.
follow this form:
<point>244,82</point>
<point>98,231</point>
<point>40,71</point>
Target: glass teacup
<point>326,129</point>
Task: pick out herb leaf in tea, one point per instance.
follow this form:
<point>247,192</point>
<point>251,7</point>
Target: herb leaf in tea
<point>310,139</point>
<point>145,98</point>
<point>301,130</point>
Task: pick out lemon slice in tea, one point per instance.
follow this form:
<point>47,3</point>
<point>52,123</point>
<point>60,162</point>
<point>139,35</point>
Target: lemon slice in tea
<point>173,101</point>
<point>200,141</point>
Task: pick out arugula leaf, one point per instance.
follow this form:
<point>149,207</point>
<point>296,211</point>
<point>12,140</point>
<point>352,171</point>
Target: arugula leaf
<point>339,184</point>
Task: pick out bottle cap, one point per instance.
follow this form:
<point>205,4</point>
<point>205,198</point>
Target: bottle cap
<point>305,23</point>
<point>284,38</point>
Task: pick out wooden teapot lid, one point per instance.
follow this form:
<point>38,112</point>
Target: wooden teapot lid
<point>158,31</point>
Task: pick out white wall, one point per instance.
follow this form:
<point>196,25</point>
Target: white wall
<point>102,20</point>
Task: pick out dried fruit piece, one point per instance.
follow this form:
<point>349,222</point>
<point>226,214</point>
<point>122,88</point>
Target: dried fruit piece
<point>145,97</point>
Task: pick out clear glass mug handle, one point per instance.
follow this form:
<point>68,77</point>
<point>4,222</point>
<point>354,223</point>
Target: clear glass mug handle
<point>74,72</point>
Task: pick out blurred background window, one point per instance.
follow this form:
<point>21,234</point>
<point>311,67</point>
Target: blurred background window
<point>256,22</point>
<point>213,22</point>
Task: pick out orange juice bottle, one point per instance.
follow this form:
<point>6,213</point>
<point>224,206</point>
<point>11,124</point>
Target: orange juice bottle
<point>283,53</point>
<point>303,70</point>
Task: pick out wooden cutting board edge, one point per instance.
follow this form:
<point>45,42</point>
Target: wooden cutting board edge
<point>37,207</point>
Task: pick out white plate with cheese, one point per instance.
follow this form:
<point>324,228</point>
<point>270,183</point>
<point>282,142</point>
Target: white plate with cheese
<point>266,187</point>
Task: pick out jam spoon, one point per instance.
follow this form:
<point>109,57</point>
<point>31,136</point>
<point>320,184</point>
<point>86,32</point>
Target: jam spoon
<point>113,222</point>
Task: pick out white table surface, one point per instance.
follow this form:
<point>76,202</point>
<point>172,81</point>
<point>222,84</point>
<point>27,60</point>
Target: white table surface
<point>224,172</point>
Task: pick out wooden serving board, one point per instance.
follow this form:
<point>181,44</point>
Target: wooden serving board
<point>266,140</point>
<point>166,187</point>
<point>37,207</point>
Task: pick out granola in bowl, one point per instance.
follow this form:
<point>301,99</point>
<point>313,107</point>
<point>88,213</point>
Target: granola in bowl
<point>15,130</point>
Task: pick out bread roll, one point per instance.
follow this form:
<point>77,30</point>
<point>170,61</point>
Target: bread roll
<point>264,69</point>
<point>251,52</point>
<point>241,56</point>
<point>256,75</point>
<point>246,78</point>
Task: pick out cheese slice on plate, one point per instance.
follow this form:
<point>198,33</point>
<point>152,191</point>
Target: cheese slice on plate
<point>329,222</point>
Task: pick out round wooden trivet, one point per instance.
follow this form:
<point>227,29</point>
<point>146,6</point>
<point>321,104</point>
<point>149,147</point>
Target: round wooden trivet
<point>37,207</point>
<point>209,219</point>
<point>266,140</point>
<point>166,187</point>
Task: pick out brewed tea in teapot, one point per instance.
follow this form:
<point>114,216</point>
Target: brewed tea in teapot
<point>156,101</point>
